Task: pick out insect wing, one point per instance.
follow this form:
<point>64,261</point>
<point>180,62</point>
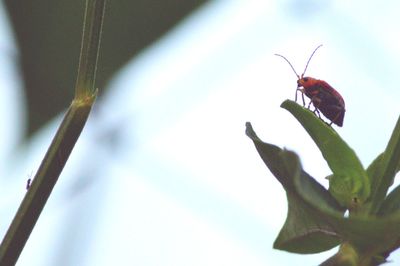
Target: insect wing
<point>329,102</point>
<point>329,94</point>
<point>335,113</point>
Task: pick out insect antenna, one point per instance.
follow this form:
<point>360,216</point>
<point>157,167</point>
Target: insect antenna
<point>289,65</point>
<point>309,59</point>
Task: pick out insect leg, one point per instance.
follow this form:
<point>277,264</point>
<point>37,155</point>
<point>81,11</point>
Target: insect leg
<point>309,105</point>
<point>316,102</point>
<point>317,112</point>
<point>302,97</point>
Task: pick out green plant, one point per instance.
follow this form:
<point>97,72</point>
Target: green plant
<point>64,140</point>
<point>315,221</point>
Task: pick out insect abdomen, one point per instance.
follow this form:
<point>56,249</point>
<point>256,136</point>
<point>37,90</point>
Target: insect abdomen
<point>327,100</point>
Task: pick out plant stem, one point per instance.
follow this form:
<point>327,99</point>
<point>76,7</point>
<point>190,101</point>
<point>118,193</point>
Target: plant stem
<point>90,47</point>
<point>44,181</point>
<point>63,142</point>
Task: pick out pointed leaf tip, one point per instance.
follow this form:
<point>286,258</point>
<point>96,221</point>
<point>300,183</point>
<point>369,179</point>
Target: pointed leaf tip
<point>249,131</point>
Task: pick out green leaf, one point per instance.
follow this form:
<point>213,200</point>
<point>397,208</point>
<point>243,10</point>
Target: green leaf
<point>270,154</point>
<point>383,171</point>
<point>391,204</point>
<point>373,168</point>
<point>368,234</point>
<point>304,231</point>
<point>349,183</point>
<point>346,256</point>
<point>315,217</point>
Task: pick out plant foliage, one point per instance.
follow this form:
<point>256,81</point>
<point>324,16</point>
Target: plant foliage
<point>315,221</point>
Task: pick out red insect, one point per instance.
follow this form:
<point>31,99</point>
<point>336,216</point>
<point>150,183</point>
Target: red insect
<point>324,98</point>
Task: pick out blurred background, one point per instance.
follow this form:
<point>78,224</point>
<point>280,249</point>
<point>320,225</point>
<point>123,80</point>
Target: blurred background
<point>163,173</point>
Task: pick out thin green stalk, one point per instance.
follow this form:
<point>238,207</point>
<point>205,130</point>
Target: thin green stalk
<point>91,36</point>
<point>63,142</point>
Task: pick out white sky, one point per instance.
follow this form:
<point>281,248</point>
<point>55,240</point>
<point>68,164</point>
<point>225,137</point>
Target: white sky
<point>183,185</point>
